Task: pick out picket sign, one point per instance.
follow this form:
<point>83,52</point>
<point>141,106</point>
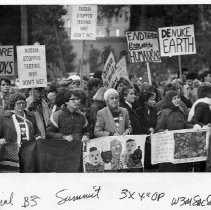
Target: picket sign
<point>6,61</point>
<point>177,41</point>
<point>108,70</point>
<point>83,27</point>
<point>32,72</point>
<point>143,47</point>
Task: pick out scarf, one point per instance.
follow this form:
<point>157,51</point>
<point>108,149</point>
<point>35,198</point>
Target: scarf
<point>201,100</point>
<point>21,127</point>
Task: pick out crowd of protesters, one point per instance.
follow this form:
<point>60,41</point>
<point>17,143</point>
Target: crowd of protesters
<point>71,113</point>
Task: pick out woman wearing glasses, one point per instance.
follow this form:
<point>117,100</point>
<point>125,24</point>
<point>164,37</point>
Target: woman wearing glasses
<point>112,120</point>
<point>18,129</point>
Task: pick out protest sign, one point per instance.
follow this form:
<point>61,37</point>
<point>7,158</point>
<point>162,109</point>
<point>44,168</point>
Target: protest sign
<point>121,71</point>
<point>177,40</point>
<point>108,70</point>
<point>180,146</point>
<point>114,153</point>
<point>83,22</point>
<point>143,46</point>
<point>31,66</point>
<point>6,61</point>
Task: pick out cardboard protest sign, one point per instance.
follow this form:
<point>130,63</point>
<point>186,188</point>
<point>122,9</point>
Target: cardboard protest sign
<point>108,70</point>
<point>6,61</point>
<point>180,146</point>
<point>177,40</point>
<point>143,46</point>
<point>83,22</point>
<point>114,153</point>
<point>121,71</point>
<point>31,66</point>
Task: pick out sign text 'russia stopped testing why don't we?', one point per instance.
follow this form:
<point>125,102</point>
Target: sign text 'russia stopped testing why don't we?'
<point>143,46</point>
<point>6,61</point>
<point>31,66</point>
<point>178,40</point>
<point>83,22</point>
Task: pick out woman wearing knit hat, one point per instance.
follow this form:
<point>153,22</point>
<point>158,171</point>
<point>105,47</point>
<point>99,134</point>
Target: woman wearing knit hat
<point>112,120</point>
<point>172,118</point>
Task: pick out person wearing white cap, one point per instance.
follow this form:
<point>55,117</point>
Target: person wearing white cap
<point>112,120</point>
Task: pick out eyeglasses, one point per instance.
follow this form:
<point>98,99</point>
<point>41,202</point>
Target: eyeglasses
<point>21,103</point>
<point>74,99</point>
<point>5,85</point>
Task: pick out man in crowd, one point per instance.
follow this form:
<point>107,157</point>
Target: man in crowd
<point>37,104</point>
<point>4,94</point>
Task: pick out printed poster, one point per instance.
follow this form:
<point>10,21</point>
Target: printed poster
<point>177,40</point>
<point>114,153</point>
<point>180,146</point>
<point>143,46</point>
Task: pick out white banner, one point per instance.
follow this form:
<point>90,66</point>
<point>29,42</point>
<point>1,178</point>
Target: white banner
<point>108,70</point>
<point>177,40</point>
<point>6,61</point>
<point>143,46</point>
<point>31,66</point>
<point>180,146</point>
<point>83,22</point>
<point>114,153</point>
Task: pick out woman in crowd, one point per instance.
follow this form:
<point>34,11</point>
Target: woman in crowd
<point>147,112</point>
<point>172,118</point>
<point>18,129</point>
<point>112,120</point>
<point>200,115</point>
<point>127,96</point>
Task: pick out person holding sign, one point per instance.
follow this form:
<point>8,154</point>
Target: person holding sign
<point>18,129</point>
<point>112,120</point>
<point>172,118</point>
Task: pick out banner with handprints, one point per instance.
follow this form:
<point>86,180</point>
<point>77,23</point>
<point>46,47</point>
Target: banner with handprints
<point>114,153</point>
<point>180,146</point>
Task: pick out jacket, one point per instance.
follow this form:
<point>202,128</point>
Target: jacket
<point>105,123</point>
<point>66,123</point>
<point>135,120</point>
<point>169,119</point>
<point>9,151</point>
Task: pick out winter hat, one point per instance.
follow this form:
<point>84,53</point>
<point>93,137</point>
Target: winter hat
<point>109,92</point>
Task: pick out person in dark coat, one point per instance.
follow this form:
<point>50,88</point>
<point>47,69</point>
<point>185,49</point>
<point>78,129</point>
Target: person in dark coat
<point>127,96</point>
<point>200,114</point>
<point>172,118</point>
<point>147,112</point>
<point>18,129</point>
